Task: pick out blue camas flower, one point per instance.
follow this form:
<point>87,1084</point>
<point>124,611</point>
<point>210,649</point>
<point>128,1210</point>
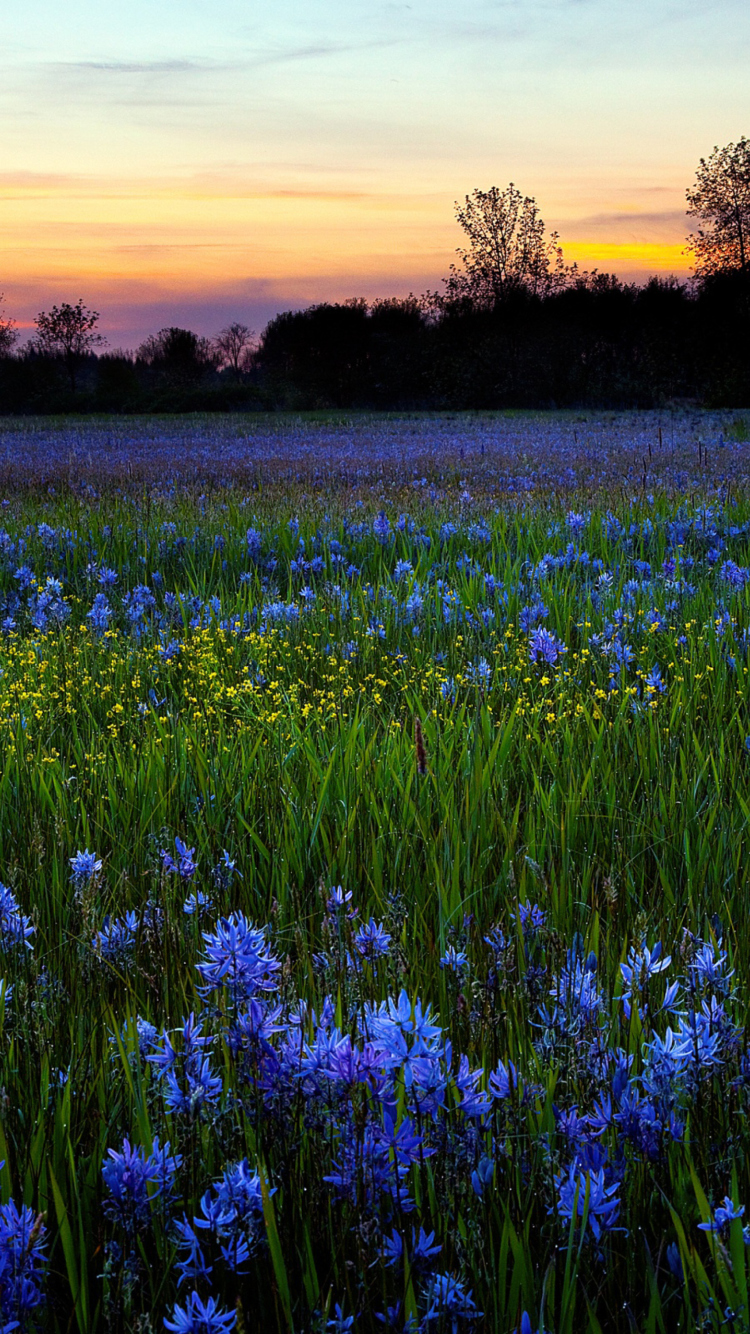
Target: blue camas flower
<point>580,1191</point>
<point>15,926</point>
<point>372,941</point>
<point>85,866</point>
<point>185,866</point>
<point>133,1181</point>
<point>22,1265</point>
<point>237,957</point>
<point>544,647</point>
<point>116,940</point>
<point>198,1317</point>
<point>724,1214</point>
<point>189,1081</point>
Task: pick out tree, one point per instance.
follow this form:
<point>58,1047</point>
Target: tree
<point>68,332</point>
<point>508,251</point>
<point>234,347</point>
<point>180,356</point>
<point>8,334</point>
<point>720,199</point>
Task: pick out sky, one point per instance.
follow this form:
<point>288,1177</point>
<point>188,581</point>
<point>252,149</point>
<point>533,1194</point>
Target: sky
<point>195,162</point>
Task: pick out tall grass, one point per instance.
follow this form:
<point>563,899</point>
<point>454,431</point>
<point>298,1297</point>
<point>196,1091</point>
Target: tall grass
<point>339,747</point>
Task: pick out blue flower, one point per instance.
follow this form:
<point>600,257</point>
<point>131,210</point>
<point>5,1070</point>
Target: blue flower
<point>381,527</point>
<point>531,917</point>
<point>642,964</point>
<point>116,940</point>
<point>445,1297</point>
<point>197,1317</point>
<point>734,575</point>
<point>580,1191</point>
<point>85,866</point>
<point>168,651</point>
<point>340,1324</point>
<point>237,957</point>
<point>100,614</point>
<point>474,1103</point>
<point>22,1264</point>
<point>196,904</point>
<point>15,926</point>
<point>128,1174</point>
<point>503,1080</point>
<point>530,616</point>
<point>372,941</point>
<point>455,961</point>
<point>479,674</point>
<point>544,647</point>
<point>482,1175</point>
<point>724,1214</point>
<point>185,866</point>
<point>199,1084</point>
<point>224,871</point>
<point>448,690</point>
<point>338,901</point>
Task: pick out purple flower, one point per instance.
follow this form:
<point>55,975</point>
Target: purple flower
<point>455,961</point>
<point>724,1214</point>
<point>372,941</point>
<point>448,1302</point>
<point>127,1174</point>
<point>22,1264</point>
<point>84,867</point>
<point>15,926</point>
<point>238,958</point>
<point>190,1065</point>
<point>580,1191</point>
<point>185,866</point>
<point>116,940</point>
<point>197,1317</point>
<point>338,901</point>
<point>544,647</point>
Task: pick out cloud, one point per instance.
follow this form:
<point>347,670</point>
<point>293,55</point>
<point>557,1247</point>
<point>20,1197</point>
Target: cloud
<point>137,66</point>
<point>663,225</point>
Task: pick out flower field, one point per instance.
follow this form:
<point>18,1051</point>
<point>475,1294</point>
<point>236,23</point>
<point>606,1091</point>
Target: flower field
<point>374,806</point>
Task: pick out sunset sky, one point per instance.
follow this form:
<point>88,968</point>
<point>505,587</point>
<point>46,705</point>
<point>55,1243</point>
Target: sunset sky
<point>187,162</point>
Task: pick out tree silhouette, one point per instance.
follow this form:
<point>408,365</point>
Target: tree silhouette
<point>8,334</point>
<point>234,347</point>
<point>508,251</point>
<point>720,199</point>
<point>179,356</point>
<point>68,332</point>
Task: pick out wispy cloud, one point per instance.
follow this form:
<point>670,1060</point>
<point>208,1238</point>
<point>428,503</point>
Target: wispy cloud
<point>663,225</point>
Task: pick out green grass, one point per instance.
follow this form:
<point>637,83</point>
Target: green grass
<point>623,825</point>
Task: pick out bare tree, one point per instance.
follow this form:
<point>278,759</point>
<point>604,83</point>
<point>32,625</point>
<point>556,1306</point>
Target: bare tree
<point>8,332</point>
<point>68,332</point>
<point>508,251</point>
<point>235,346</point>
<point>720,199</point>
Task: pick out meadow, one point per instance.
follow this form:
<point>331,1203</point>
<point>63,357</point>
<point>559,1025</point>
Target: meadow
<point>374,801</point>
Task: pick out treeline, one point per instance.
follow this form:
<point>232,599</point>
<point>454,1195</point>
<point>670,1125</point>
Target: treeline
<point>593,342</point>
<point>513,327</point>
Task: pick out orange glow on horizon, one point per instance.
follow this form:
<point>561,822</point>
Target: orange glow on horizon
<point>208,241</point>
<point>628,257</point>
